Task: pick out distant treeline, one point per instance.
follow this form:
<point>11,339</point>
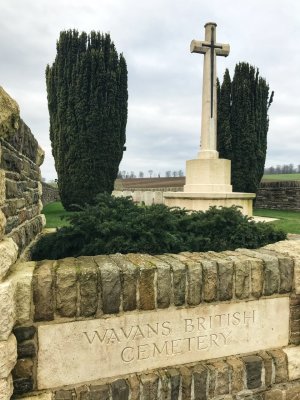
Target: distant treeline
<point>283,169</point>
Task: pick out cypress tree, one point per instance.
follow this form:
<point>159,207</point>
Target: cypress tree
<point>87,100</point>
<point>243,125</point>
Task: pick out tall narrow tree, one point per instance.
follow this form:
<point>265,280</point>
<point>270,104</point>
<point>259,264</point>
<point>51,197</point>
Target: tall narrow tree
<point>243,125</point>
<point>87,101</point>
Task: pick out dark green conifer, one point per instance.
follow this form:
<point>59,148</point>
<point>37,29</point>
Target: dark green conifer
<point>243,125</point>
<point>87,101</point>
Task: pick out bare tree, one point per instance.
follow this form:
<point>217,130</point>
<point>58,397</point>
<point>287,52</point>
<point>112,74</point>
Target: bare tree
<point>168,174</point>
<point>174,173</point>
<point>141,174</point>
<point>180,172</point>
<point>150,172</point>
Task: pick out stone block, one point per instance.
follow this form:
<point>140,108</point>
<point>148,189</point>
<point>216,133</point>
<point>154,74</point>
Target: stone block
<point>242,279</point>
<point>209,280</point>
<point>194,282</point>
<point>119,390</point>
<point>200,375</point>
<point>43,296</point>
<point>163,283</point>
<point>2,224</point>
<point>88,286</point>
<point>9,254</point>
<point>26,349</point>
<point>175,380</point>
<point>186,383</point>
<point>129,277</point>
<point>64,395</point>
<point>222,372</point>
<point>6,388</point>
<point>280,362</point>
<point>275,394</point>
<point>2,186</point>
<point>179,278</point>
<point>268,367</point>
<point>23,385</point>
<point>66,287</point>
<point>22,276</point>
<point>225,277</point>
<point>23,368</point>
<point>293,362</point>
<point>149,386</point>
<point>253,366</point>
<point>134,385</point>
<point>146,281</point>
<point>8,356</point>
<point>237,374</point>
<point>292,393</point>
<point>7,308</point>
<point>99,392</point>
<point>24,333</point>
<point>110,284</point>
<point>40,396</point>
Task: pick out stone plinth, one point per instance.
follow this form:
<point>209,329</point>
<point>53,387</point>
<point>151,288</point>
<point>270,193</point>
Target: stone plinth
<point>208,175</point>
<point>202,201</point>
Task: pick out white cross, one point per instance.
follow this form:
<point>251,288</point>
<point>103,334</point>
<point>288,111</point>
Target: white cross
<point>210,49</point>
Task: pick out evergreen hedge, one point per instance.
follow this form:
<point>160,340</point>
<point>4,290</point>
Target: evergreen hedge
<point>87,102</point>
<point>118,225</point>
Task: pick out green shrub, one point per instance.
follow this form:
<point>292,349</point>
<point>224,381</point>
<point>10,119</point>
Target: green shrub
<point>114,225</point>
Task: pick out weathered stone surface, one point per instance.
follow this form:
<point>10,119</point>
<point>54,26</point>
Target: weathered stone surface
<point>158,339</point>
<point>253,365</point>
<point>26,349</point>
<point>225,276</point>
<point>23,368</point>
<point>175,379</point>
<point>293,393</point>
<point>99,392</point>
<point>129,277</point>
<point>23,385</point>
<point>9,254</point>
<point>43,296</point>
<point>24,332</point>
<point>149,389</point>
<point>242,279</point>
<point>66,287</point>
<point>6,388</point>
<point>119,390</point>
<point>210,280</point>
<point>110,284</point>
<point>7,308</point>
<point>222,372</point>
<point>186,383</point>
<point>88,286</point>
<point>8,356</point>
<point>164,392</point>
<point>276,394</point>
<point>64,395</point>
<point>134,384</point>
<point>2,184</point>
<point>146,281</point>
<point>179,278</point>
<point>40,396</point>
<point>2,224</point>
<point>194,281</point>
<point>293,358</point>
<point>237,374</point>
<point>9,115</point>
<point>268,367</point>
<point>280,362</point>
<point>163,283</point>
<point>22,276</point>
<point>200,375</point>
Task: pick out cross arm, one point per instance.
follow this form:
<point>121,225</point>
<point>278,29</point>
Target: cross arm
<point>202,47</point>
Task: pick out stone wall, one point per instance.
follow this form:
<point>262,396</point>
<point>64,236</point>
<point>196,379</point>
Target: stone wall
<point>76,298</point>
<point>49,194</point>
<point>20,222</point>
<point>279,195</point>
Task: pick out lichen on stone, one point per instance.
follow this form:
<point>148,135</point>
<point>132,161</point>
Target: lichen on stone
<point>9,114</point>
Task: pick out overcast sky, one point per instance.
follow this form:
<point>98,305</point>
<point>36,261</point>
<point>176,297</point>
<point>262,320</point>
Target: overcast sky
<point>165,79</point>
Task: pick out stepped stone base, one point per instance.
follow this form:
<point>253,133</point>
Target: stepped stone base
<point>202,201</point>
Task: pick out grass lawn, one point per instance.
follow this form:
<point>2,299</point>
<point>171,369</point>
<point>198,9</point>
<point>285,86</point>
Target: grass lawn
<point>54,212</point>
<point>289,221</point>
<point>281,177</point>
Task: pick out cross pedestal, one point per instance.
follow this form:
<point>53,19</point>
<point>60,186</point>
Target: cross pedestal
<point>208,178</point>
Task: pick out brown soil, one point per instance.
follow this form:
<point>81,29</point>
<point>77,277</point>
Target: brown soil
<point>151,183</point>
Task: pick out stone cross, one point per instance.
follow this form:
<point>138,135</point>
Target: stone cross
<point>210,49</point>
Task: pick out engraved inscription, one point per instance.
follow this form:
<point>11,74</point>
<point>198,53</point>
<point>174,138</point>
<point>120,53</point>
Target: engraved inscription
<point>138,341</point>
